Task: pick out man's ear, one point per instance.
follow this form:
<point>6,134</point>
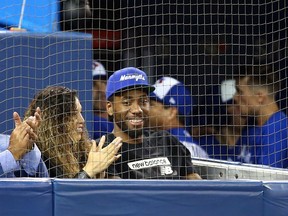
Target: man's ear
<point>109,108</point>
<point>173,112</point>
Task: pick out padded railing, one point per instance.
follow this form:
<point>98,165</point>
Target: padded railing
<point>55,197</point>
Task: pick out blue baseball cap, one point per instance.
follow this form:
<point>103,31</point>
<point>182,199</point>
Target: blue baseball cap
<point>172,92</point>
<point>212,109</point>
<point>127,78</point>
<point>98,71</point>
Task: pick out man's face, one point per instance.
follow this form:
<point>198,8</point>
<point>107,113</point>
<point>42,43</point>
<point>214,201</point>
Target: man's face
<point>235,117</point>
<point>245,98</point>
<point>157,115</point>
<point>130,111</point>
<point>99,99</point>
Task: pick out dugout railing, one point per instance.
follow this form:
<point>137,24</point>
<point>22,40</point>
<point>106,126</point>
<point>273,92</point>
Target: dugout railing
<point>219,169</point>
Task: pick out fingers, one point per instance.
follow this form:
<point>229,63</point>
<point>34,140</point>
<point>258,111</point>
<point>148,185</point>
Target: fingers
<point>100,158</point>
<point>101,143</point>
<point>117,140</point>
<point>21,129</point>
<point>31,122</point>
<point>31,133</point>
<point>17,119</point>
<point>117,147</point>
<point>113,148</point>
<point>38,110</point>
<point>112,159</point>
<point>110,151</point>
<point>94,146</point>
<point>35,121</point>
<point>117,156</point>
<point>37,116</point>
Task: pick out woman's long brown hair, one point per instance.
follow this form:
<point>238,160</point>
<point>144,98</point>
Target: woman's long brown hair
<point>58,109</point>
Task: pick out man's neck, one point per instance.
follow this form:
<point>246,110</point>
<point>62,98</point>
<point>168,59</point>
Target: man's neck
<point>174,123</point>
<point>126,138</point>
<point>266,112</point>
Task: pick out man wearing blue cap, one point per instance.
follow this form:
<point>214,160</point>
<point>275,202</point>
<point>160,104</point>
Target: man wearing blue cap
<point>171,110</point>
<point>145,154</point>
<point>101,124</point>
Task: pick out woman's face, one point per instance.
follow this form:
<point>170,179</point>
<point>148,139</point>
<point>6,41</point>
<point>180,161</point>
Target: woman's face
<point>78,122</point>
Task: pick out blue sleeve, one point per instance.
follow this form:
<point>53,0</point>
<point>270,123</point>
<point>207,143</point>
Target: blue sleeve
<point>31,163</point>
<point>273,151</point>
<point>272,145</point>
<point>8,164</point>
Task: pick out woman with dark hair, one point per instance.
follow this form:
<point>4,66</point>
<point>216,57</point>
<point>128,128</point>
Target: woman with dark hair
<point>63,138</point>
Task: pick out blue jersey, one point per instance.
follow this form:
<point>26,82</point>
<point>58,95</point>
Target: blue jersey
<point>266,145</point>
<point>189,142</point>
<point>217,150</point>
<point>101,127</point>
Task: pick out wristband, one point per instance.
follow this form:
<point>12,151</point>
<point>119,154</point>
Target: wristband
<point>82,175</point>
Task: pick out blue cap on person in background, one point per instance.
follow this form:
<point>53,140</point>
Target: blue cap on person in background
<point>212,107</point>
<point>172,92</point>
<point>127,78</point>
<point>98,71</point>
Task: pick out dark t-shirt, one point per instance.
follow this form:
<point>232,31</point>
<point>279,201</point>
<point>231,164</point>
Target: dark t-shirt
<point>160,156</point>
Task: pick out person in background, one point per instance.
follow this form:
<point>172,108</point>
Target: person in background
<point>265,142</point>
<point>145,154</point>
<point>221,127</point>
<point>101,124</point>
<point>62,137</point>
<point>19,155</point>
<point>171,110</point>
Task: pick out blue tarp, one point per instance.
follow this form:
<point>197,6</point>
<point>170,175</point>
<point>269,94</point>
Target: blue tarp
<point>38,16</point>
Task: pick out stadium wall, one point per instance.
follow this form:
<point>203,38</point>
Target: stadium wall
<point>31,61</point>
<point>55,197</point>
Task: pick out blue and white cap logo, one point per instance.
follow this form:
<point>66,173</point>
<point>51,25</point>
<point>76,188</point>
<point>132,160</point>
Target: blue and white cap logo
<point>132,76</point>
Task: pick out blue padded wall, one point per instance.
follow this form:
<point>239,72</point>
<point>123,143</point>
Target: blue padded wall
<point>30,62</point>
<point>276,198</point>
<point>55,197</point>
<point>158,198</point>
<point>26,197</point>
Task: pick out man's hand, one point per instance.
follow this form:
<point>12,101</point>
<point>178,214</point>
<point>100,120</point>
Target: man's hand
<point>34,122</point>
<point>24,134</point>
<point>193,176</point>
